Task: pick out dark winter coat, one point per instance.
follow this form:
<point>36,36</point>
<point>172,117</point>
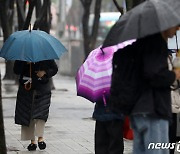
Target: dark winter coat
<point>33,103</point>
<point>103,113</point>
<point>155,98</point>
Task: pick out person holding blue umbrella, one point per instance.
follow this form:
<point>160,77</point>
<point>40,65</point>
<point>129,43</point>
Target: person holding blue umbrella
<point>33,99</point>
<point>34,52</point>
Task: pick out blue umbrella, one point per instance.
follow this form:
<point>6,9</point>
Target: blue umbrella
<point>32,46</point>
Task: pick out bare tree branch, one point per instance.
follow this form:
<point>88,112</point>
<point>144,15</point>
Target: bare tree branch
<point>46,20</point>
<point>38,8</point>
<point>29,15</point>
<point>119,8</point>
<point>21,14</point>
<point>4,21</point>
<point>95,23</point>
<point>3,16</point>
<point>41,15</point>
<point>85,22</point>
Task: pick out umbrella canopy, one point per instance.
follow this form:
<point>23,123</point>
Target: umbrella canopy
<point>150,17</point>
<point>93,79</point>
<point>32,46</point>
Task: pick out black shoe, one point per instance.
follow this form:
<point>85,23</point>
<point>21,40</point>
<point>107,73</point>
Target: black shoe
<point>32,147</point>
<point>42,145</point>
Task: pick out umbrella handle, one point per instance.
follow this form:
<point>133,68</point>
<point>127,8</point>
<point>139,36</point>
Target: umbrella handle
<point>27,87</point>
<point>104,99</point>
<point>102,51</point>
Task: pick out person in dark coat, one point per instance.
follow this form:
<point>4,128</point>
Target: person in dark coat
<point>152,112</point>
<point>108,130</point>
<point>33,99</point>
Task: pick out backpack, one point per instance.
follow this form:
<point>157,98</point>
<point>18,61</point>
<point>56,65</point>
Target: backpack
<point>126,83</point>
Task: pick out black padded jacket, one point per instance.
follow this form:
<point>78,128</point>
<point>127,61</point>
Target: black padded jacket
<point>33,103</point>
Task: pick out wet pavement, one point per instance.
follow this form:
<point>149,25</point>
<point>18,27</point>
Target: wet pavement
<point>69,129</point>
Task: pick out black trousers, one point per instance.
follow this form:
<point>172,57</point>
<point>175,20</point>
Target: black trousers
<point>109,137</point>
<point>172,131</point>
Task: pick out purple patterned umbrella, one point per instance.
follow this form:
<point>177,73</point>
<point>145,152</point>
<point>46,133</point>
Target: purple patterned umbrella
<point>93,79</point>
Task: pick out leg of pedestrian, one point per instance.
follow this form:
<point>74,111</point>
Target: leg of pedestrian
<point>28,133</point>
<point>150,135</point>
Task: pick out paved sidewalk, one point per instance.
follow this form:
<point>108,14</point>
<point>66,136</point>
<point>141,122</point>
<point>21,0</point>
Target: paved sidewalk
<point>69,129</point>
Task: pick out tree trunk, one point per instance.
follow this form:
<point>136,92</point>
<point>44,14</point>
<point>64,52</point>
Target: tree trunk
<point>119,8</point>
<point>46,20</point>
<point>90,39</point>
<point>6,32</point>
<point>41,18</point>
<point>2,134</point>
<point>3,18</point>
<point>29,15</point>
<point>85,21</point>
<point>21,14</point>
<point>9,64</point>
<point>7,23</point>
<point>95,24</point>
<point>38,8</point>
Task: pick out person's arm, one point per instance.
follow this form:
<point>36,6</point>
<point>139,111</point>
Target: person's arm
<point>52,69</point>
<point>49,70</point>
<point>155,69</point>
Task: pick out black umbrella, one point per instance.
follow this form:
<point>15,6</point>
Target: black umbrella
<point>150,17</point>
